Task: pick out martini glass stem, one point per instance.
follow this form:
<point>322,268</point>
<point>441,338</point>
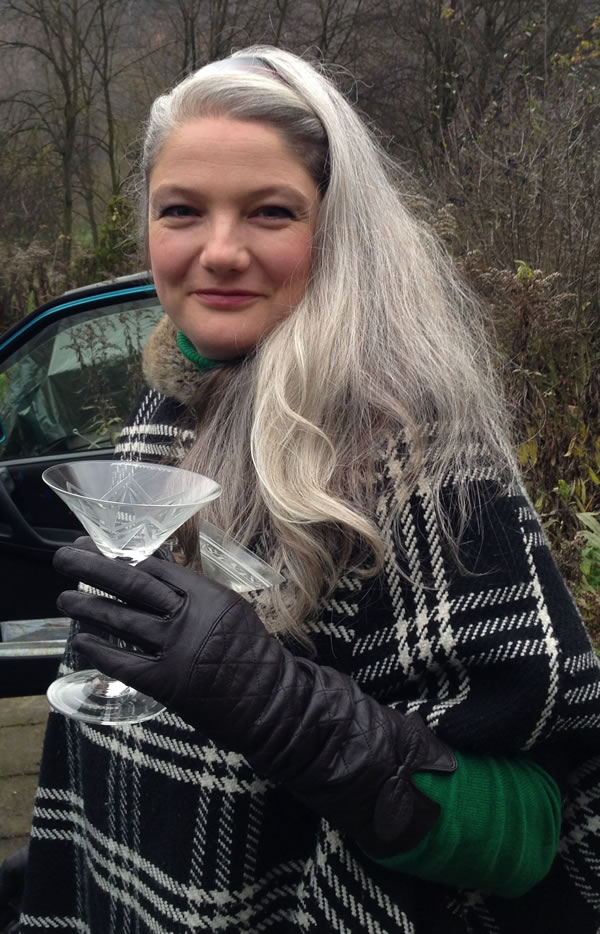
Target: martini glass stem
<point>129,508</point>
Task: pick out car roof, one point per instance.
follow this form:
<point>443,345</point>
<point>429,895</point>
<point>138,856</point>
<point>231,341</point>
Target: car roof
<point>143,276</point>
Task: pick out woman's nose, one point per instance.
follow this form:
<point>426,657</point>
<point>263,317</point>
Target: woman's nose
<point>224,248</point>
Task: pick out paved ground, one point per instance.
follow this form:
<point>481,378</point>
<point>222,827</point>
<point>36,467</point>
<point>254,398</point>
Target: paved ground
<point>22,725</point>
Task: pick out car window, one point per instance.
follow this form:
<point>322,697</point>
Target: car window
<point>72,385</point>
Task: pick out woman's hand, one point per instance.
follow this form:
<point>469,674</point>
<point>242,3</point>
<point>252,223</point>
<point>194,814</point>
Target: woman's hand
<point>203,652</point>
<point>183,626</point>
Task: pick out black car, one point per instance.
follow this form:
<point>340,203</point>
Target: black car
<point>69,374</point>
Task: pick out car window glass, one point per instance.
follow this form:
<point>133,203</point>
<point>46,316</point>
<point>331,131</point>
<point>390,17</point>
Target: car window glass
<point>71,386</point>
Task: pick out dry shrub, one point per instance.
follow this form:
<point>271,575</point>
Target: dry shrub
<point>31,276</point>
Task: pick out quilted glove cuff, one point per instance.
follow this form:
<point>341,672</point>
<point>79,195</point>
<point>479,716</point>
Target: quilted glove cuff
<point>376,802</point>
<point>348,757</point>
<point>403,813</point>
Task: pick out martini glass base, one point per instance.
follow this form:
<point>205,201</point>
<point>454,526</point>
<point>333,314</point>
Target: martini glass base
<point>94,698</point>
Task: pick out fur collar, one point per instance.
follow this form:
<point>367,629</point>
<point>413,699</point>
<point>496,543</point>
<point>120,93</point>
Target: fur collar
<point>166,369</point>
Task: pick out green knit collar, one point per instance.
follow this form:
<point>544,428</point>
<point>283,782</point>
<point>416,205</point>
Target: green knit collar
<point>203,364</point>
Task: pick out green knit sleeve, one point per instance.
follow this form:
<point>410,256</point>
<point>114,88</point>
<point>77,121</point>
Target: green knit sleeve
<point>498,830</point>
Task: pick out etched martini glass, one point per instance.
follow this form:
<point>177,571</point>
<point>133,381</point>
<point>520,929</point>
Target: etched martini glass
<point>129,509</point>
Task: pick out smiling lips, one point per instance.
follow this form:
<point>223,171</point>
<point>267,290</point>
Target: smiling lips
<point>223,298</point>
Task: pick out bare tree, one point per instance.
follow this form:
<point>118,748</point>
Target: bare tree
<point>55,33</point>
<point>71,50</point>
<point>189,15</point>
<point>194,32</point>
<point>440,66</point>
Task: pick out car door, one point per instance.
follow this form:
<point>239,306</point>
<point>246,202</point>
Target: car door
<point>69,374</point>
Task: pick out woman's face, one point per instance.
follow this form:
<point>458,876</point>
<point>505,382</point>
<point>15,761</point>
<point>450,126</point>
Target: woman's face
<point>232,214</point>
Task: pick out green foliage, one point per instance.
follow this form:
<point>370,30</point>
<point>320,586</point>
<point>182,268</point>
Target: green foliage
<point>115,253</point>
<point>590,555</point>
<point>524,272</point>
<point>579,560</point>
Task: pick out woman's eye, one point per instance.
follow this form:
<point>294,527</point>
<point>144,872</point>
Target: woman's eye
<point>176,210</point>
<point>275,211</point>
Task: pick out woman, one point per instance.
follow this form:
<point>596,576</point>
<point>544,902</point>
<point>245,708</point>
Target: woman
<point>392,740</point>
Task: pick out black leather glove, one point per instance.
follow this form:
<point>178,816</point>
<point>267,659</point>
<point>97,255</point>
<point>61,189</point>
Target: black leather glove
<point>12,882</point>
<point>204,653</point>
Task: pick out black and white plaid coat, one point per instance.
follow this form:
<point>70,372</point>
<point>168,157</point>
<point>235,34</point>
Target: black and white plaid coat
<point>153,828</point>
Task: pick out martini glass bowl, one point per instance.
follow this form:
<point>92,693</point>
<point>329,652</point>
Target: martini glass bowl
<point>129,509</point>
<point>229,563</point>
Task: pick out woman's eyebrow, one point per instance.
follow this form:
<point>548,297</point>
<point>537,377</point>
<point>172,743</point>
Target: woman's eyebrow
<point>266,191</point>
<point>174,191</point>
<point>285,191</point>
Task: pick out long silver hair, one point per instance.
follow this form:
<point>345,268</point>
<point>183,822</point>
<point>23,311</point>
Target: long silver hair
<point>387,346</point>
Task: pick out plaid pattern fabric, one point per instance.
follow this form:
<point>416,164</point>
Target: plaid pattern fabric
<point>153,828</point>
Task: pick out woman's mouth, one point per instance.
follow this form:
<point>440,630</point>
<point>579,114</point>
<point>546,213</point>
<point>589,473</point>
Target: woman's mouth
<point>225,298</point>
